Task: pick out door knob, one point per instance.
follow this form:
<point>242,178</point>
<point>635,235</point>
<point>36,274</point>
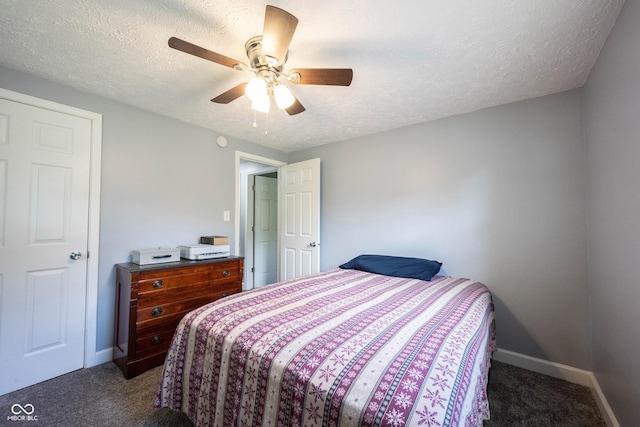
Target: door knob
<point>75,255</point>
<point>313,244</point>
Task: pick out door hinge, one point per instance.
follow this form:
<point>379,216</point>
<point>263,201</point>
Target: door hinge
<point>253,270</point>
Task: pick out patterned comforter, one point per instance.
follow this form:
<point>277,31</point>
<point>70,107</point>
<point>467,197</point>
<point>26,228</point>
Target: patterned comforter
<point>342,347</point>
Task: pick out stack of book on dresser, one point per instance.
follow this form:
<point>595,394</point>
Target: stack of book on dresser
<point>209,247</point>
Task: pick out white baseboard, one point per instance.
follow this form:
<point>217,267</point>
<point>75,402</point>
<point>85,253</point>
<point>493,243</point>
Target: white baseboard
<point>99,357</point>
<point>564,372</point>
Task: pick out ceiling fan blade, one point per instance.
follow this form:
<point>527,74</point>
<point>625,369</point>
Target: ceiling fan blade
<point>279,26</point>
<point>295,108</point>
<point>231,94</point>
<point>323,76</point>
<point>201,52</point>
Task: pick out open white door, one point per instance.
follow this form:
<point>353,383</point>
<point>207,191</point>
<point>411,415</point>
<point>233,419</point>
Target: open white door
<point>299,196</point>
<point>44,213</point>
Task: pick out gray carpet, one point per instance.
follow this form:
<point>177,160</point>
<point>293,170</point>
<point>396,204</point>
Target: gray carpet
<point>518,397</point>
<point>100,396</point>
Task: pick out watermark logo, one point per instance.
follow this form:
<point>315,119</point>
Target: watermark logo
<point>18,409</point>
<point>22,413</point>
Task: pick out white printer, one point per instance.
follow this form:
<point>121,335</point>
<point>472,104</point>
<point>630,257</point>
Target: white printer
<point>201,251</point>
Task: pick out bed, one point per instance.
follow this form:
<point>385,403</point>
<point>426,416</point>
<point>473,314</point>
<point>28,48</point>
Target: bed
<point>344,347</point>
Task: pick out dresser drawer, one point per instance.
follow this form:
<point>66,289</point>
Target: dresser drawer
<point>169,312</point>
<point>173,311</point>
<point>212,289</point>
<point>150,282</point>
<point>167,282</point>
<point>155,340</point>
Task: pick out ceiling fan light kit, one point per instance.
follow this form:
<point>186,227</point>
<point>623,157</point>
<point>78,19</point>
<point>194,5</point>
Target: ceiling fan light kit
<point>283,96</point>
<point>256,89</point>
<point>267,55</point>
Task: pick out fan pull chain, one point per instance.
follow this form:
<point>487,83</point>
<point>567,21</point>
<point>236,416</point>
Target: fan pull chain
<point>266,121</point>
<point>266,124</point>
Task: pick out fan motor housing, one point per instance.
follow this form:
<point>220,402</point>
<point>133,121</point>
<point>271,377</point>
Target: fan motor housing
<point>253,48</point>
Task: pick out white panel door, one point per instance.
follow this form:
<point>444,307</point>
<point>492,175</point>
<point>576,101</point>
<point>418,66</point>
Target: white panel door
<point>265,231</point>
<point>300,219</point>
<point>44,201</point>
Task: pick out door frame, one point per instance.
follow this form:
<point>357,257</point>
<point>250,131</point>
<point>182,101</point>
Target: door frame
<point>91,357</point>
<point>240,156</point>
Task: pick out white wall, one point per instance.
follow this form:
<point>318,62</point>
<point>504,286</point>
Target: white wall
<point>612,124</point>
<point>497,195</point>
<point>164,182</point>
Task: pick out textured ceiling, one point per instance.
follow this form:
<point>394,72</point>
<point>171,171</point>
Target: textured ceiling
<point>413,61</point>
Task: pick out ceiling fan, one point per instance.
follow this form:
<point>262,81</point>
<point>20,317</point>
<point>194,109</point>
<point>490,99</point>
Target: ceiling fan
<point>267,55</point>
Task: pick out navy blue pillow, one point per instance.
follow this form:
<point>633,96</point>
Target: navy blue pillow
<point>413,268</point>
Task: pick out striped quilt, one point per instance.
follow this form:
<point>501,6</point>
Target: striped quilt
<point>339,348</point>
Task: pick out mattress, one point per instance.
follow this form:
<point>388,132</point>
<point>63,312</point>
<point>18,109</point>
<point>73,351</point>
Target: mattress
<point>338,348</point>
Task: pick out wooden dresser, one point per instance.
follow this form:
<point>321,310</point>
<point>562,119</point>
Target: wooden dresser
<point>151,300</point>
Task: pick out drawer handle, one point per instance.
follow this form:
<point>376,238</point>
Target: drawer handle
<point>226,273</point>
<point>157,311</point>
<point>225,294</point>
<point>156,339</point>
<point>158,284</point>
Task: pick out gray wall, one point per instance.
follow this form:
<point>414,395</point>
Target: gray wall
<point>612,118</point>
<point>164,182</point>
<point>496,195</point>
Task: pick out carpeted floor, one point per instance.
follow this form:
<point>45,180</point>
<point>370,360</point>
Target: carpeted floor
<point>100,396</point>
<point>518,397</point>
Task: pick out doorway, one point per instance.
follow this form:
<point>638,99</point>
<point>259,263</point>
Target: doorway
<point>297,212</point>
<point>262,229</point>
<point>256,223</point>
